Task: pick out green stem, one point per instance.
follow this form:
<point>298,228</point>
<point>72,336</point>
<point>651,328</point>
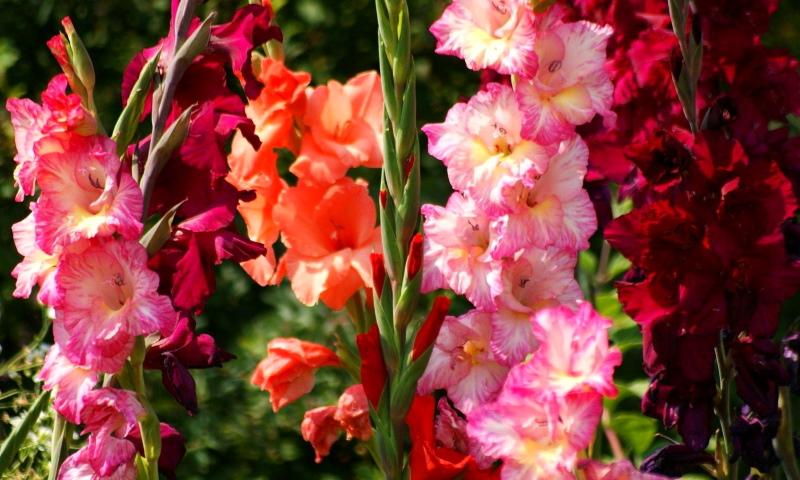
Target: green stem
<point>722,408</point>
<point>149,424</point>
<point>399,217</point>
<point>784,440</point>
<point>59,446</point>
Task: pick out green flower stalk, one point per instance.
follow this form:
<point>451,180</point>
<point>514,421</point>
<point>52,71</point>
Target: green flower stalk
<point>399,219</point>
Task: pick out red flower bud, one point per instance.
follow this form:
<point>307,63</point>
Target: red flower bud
<point>414,261</point>
<point>430,329</point>
<point>383,196</point>
<point>408,166</point>
<point>373,368</point>
<point>378,272</point>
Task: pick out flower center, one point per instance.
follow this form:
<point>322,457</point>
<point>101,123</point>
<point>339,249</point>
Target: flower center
<point>117,291</point>
<point>473,349</point>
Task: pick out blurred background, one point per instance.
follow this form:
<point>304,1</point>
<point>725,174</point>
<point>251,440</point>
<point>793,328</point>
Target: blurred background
<point>235,434</point>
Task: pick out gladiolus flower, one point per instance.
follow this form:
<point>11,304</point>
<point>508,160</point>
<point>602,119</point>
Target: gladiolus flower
<point>536,279</point>
<point>352,413</point>
<point>496,34</point>
<point>328,245</point>
<point>573,355</point>
<point>37,267</point>
<point>321,430</point>
<point>257,171</point>
<point>426,460</point>
<point>80,466</point>
<point>535,439</point>
<point>457,241</point>
<point>556,211</point>
<point>481,144</point>
<point>288,371</point>
<point>111,411</point>
<point>59,113</point>
<point>462,362</point>
<point>343,125</point>
<point>571,84</point>
<point>107,296</point>
<point>279,107</point>
<point>71,383</point>
<point>110,415</point>
<point>84,193</point>
<point>621,470</point>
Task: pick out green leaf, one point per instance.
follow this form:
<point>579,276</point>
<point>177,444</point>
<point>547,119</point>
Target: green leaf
<point>617,265</point>
<point>128,121</point>
<point>627,338</point>
<point>635,430</point>
<point>12,444</point>
<point>157,236</point>
<point>607,304</point>
<point>587,262</point>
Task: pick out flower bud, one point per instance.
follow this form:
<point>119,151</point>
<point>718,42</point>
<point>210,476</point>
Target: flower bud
<point>430,329</point>
<point>414,262</point>
<point>78,56</point>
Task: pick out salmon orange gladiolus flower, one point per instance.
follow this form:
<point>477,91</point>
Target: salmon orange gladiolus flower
<point>288,371</point>
<point>329,233</point>
<point>343,124</point>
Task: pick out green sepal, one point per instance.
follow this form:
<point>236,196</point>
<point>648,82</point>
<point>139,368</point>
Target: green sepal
<point>406,135</point>
<point>405,387</point>
<point>159,233</point>
<point>407,302</point>
<point>80,59</point>
<point>393,257</point>
<point>128,120</point>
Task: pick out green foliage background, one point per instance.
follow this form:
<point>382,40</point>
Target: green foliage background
<point>236,435</point>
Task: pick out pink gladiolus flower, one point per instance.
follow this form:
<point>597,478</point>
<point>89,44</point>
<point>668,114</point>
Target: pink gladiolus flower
<point>59,113</point>
<point>71,383</point>
<point>352,413</point>
<point>462,362</point>
<point>84,193</point>
<point>621,470</point>
<point>486,156</point>
<point>321,430</point>
<point>573,355</point>
<point>110,415</point>
<point>571,85</point>
<point>37,267</point>
<point>81,466</point>
<point>556,211</point>
<point>329,232</point>
<point>496,34</point>
<point>535,439</point>
<point>456,251</point>
<point>288,371</point>
<point>343,126</point>
<point>107,296</point>
<point>111,411</point>
<point>535,279</point>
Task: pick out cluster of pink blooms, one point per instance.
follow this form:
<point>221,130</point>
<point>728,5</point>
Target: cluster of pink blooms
<point>80,246</point>
<point>81,242</point>
<point>528,367</point>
